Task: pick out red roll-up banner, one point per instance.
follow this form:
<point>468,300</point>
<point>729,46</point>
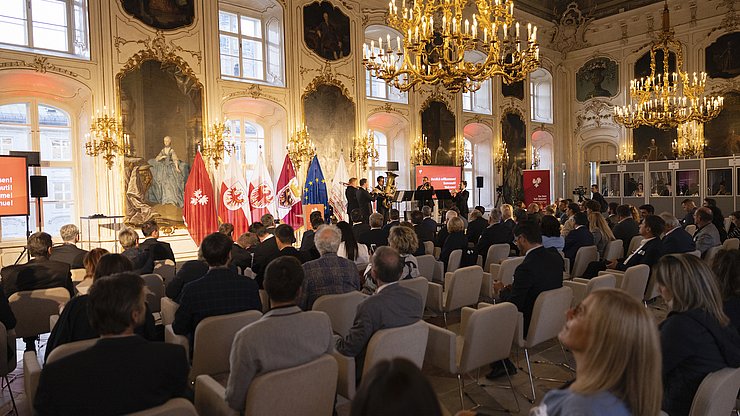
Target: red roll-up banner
<point>537,187</point>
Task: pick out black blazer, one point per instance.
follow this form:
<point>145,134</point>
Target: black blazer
<point>378,236</point>
<point>6,314</point>
<point>141,260</point>
<point>240,257</point>
<point>541,270</point>
<point>387,227</point>
<point>475,229</point>
<point>160,250</point>
<point>138,375</point>
<point>364,200</point>
<point>579,237</point>
<point>678,241</point>
<point>70,254</point>
<point>360,229</point>
<point>461,202</point>
<point>39,273</point>
<point>264,252</point>
<point>648,254</point>
<point>625,231</point>
<point>453,242</point>
<point>494,234</point>
<point>350,192</point>
<point>191,270</point>
<point>428,229</point>
<point>689,218</point>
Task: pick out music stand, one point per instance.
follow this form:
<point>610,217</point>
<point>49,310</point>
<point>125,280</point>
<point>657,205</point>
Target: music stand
<point>442,195</point>
<point>422,196</point>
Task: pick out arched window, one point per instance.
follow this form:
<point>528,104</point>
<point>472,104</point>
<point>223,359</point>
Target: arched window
<point>468,169</point>
<point>374,87</point>
<point>478,101</point>
<point>35,126</point>
<point>540,95</point>
<point>378,168</point>
<point>248,138</point>
<point>251,44</point>
<point>45,26</point>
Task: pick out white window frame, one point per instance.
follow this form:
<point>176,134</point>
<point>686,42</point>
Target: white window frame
<point>241,142</point>
<point>537,86</point>
<point>72,30</point>
<point>383,148</point>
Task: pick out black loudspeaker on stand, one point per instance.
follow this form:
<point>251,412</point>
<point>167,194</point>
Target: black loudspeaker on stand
<point>479,185</point>
<point>39,188</point>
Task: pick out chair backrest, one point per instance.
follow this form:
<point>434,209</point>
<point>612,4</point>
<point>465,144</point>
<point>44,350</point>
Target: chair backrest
<point>426,265</point>
<point>488,336</point>
<point>695,253</point>
<point>463,288</point>
<point>173,407</point>
<point>614,250</point>
<point>7,344</point>
<point>78,275</point>
<point>711,253</point>
<point>691,229</point>
<point>169,307</point>
<point>70,348</point>
<point>341,309</point>
<point>408,342</point>
<point>155,284</point>
<point>548,315</point>
<point>717,393</point>
<point>312,388</point>
<point>634,244</point>
<point>731,244</point>
<point>635,280</point>
<point>496,254</point>
<point>165,269</point>
<point>247,272</point>
<point>429,248</point>
<point>32,309</point>
<point>507,269</point>
<point>454,261</point>
<point>584,256</point>
<point>727,223</point>
<point>604,281</point>
<point>419,285</point>
<point>213,338</point>
<point>265,300</point>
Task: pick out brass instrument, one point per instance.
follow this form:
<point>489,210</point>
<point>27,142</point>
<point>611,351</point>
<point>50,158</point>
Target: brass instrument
<point>390,189</point>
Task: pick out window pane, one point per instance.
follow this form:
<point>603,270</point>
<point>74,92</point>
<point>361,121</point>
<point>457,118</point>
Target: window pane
<point>251,27</point>
<point>227,22</point>
<point>80,25</point>
<point>14,113</point>
<point>466,101</point>
<point>13,8</point>
<point>50,116</point>
<point>13,31</point>
<point>56,144</point>
<point>14,227</point>
<point>49,11</point>
<point>59,205</point>
<point>252,151</point>
<point>14,138</point>
<point>251,49</point>
<point>50,24</point>
<point>50,37</point>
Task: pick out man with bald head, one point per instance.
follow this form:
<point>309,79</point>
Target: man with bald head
<point>707,234</point>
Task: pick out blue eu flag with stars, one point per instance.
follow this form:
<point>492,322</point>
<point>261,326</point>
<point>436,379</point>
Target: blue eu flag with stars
<point>314,191</point>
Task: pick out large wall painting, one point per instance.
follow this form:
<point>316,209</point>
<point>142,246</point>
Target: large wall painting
<point>515,89</point>
<point>722,57</point>
<point>161,14</point>
<point>513,132</point>
<point>326,30</point>
<point>722,134</point>
<point>438,125</point>
<point>597,78</point>
<point>161,110</point>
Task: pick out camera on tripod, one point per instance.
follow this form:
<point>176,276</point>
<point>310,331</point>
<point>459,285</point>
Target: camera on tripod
<point>500,189</point>
<point>580,191</point>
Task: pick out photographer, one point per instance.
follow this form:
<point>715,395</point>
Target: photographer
<point>596,196</point>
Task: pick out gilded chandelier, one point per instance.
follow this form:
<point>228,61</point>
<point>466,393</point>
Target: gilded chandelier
<point>420,153</point>
<point>106,138</point>
<point>463,155</point>
<point>666,100</point>
<point>434,49</point>
<point>215,143</point>
<point>690,142</point>
<point>363,148</point>
<point>626,154</point>
<point>300,148</point>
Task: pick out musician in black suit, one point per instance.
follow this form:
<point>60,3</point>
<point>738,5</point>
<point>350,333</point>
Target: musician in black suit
<point>675,238</point>
<point>426,186</point>
<point>376,235</point>
<point>350,192</point>
<point>579,237</point>
<point>651,248</point>
<point>159,250</point>
<point>364,200</point>
<point>626,227</point>
<point>265,251</point>
<point>123,372</point>
<point>460,199</point>
<point>476,225</point>
<point>380,198</point>
<point>68,252</point>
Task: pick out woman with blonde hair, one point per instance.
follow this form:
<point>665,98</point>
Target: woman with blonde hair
<point>615,344</point>
<point>696,337</point>
<point>601,232</point>
<point>403,239</point>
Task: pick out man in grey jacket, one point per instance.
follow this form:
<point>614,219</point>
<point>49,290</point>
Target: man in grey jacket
<point>706,235</point>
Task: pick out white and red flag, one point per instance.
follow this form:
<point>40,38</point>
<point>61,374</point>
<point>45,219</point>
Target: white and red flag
<point>289,206</point>
<point>199,212</point>
<point>337,198</point>
<point>261,195</point>
<point>234,206</point>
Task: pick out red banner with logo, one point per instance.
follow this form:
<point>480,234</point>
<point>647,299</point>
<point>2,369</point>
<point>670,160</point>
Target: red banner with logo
<point>537,187</point>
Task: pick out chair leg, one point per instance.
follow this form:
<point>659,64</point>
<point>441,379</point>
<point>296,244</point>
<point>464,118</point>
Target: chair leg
<point>531,381</point>
<point>12,399</point>
<point>566,363</point>
<point>444,316</point>
<point>513,392</point>
<point>460,390</point>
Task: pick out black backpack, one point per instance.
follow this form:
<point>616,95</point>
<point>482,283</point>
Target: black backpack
<point>469,257</point>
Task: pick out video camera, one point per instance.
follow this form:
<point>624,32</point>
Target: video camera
<point>580,191</point>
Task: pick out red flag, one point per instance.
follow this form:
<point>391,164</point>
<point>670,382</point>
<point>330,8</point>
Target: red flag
<point>200,209</point>
<point>261,195</point>
<point>234,206</point>
<point>289,206</point>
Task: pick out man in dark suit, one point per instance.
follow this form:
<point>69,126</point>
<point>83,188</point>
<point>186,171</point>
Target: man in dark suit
<point>364,200</point>
<point>675,238</point>
<point>416,219</point>
<point>240,257</point>
<point>350,192</point>
<point>495,233</point>
<point>284,238</point>
<point>308,248</point>
<point>219,292</point>
<point>380,198</point>
<point>651,248</point>
<point>596,196</point>
<point>40,272</point>
<point>190,271</point>
<point>394,219</point>
<point>359,223</point>
<point>376,236</point>
<point>150,372</point>
<point>625,228</point>
<point>689,207</point>
<point>460,199</point>
<point>541,270</point>
<point>579,237</point>
<point>265,251</point>
<point>391,306</point>
<point>428,225</point>
<point>68,252</point>
<point>426,186</point>
<point>476,225</point>
<point>159,250</point>
<point>269,222</point>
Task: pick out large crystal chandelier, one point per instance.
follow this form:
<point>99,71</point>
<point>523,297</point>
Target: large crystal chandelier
<point>690,142</point>
<point>437,38</point>
<point>666,100</point>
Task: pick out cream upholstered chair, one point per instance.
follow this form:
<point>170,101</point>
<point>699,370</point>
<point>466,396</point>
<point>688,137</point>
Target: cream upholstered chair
<point>486,336</point>
<point>583,287</point>
<point>634,244</point>
<point>265,300</point>
<point>213,338</point>
<point>408,342</point>
<point>462,288</point>
<point>695,253</point>
<point>311,387</point>
<point>165,269</point>
<point>453,263</point>
<point>711,253</point>
<point>495,255</point>
<point>548,318</point>
<point>173,407</point>
<point>691,229</point>
<point>633,281</point>
<point>727,223</point>
<point>419,285</point>
<point>614,250</point>
<point>167,312</point>
<point>155,286</point>
<point>717,393</point>
<point>78,275</point>
<point>341,309</point>
<point>247,272</point>
<point>427,265</point>
<point>32,368</point>
<point>731,244</point>
<point>503,272</point>
<point>584,256</point>
<point>32,309</point>
<point>8,362</point>
<point>429,248</point>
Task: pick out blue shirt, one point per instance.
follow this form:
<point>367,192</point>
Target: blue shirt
<point>567,403</point>
<point>556,242</point>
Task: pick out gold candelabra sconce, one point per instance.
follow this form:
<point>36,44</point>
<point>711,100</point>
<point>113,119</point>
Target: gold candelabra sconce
<point>216,142</point>
<point>363,149</point>
<point>501,156</point>
<point>464,156</point>
<point>420,152</point>
<point>536,159</point>
<point>300,148</point>
<point>106,138</point>
<point>626,154</point>
<point>690,142</point>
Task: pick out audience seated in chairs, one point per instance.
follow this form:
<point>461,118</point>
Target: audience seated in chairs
<point>158,250</point>
<point>359,222</point>
<point>675,239</point>
<point>394,218</point>
<point>403,239</point>
<point>428,225</point>
<point>74,322</point>
<point>601,232</point>
<point>416,221</point>
<point>456,239</point>
<point>697,337</point>
<point>579,237</point>
<point>395,388</point>
<point>717,218</point>
<point>190,271</point>
<point>240,256</point>
<point>626,227</point>
<point>726,267</point>
<point>349,248</point>
<point>90,262</point>
<point>496,233</point>
<point>476,225</point>
<point>551,238</point>
<point>68,252</point>
<point>141,260</point>
<point>284,337</point>
<point>329,274</point>
<point>569,223</point>
<point>218,292</point>
<point>615,344</point>
<point>443,232</point>
<point>391,306</point>
<point>122,373</point>
<point>265,251</point>
<point>308,248</point>
<point>377,235</point>
<point>284,238</point>
<point>707,234</point>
